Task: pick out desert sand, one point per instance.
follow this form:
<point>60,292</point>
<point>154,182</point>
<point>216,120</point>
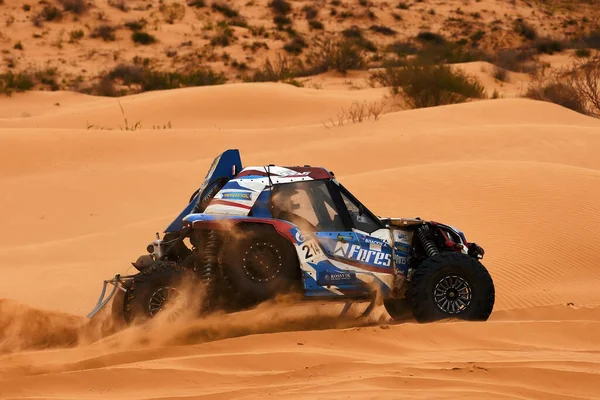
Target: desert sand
<point>520,177</point>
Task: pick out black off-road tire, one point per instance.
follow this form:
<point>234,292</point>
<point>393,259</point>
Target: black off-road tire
<point>260,265</point>
<point>440,281</point>
<point>154,281</point>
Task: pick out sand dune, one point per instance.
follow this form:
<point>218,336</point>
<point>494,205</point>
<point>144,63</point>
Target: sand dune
<point>520,177</point>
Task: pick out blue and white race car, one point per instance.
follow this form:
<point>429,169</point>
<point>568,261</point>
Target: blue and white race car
<point>260,231</point>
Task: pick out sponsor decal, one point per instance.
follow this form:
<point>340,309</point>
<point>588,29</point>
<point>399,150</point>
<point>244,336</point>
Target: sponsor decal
<point>372,240</point>
<point>299,237</point>
<point>345,237</point>
<point>333,278</point>
<point>357,253</point>
<point>237,196</point>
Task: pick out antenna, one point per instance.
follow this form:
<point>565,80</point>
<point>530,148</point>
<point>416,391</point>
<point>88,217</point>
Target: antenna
<point>268,171</point>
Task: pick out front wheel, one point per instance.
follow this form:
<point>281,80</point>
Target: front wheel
<point>452,285</point>
<point>162,286</point>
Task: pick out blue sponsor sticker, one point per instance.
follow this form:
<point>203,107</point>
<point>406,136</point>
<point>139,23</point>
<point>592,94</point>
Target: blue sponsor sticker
<point>237,196</point>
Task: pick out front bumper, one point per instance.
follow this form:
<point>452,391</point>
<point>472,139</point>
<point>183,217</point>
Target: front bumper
<point>118,282</point>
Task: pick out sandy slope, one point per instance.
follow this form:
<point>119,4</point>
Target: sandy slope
<point>520,177</point>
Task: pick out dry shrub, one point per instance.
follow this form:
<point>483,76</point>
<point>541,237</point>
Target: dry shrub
<point>576,88</point>
<point>338,55</point>
<point>75,6</point>
<point>282,68</point>
<point>172,12</point>
<point>426,85</point>
<point>586,80</point>
<point>357,113</point>
<point>119,4</point>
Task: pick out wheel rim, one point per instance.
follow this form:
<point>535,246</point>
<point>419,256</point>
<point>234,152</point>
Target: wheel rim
<point>162,298</point>
<point>452,294</point>
<point>262,262</point>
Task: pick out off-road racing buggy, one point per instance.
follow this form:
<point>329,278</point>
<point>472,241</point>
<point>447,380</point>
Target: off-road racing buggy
<point>258,231</point>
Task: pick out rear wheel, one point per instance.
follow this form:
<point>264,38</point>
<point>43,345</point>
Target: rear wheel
<point>260,264</point>
<point>452,285</point>
<point>163,286</point>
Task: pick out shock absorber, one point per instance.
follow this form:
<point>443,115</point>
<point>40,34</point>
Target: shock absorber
<point>208,271</point>
<point>424,234</point>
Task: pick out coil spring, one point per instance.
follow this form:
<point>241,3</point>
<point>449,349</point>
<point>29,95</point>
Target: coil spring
<point>208,272</point>
<point>428,244</point>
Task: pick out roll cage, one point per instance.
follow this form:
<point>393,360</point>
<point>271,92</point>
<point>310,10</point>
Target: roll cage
<point>328,206</point>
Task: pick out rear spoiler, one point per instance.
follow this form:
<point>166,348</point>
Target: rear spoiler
<point>226,165</point>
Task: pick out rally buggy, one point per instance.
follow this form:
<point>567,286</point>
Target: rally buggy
<point>251,233</point>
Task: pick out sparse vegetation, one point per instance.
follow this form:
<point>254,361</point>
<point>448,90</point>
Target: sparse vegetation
<point>119,4</point>
<point>281,6</point>
<point>224,36</point>
<point>172,12</point>
<point>75,36</point>
<point>524,29</point>
<point>225,9</point>
<point>577,88</point>
<point>196,3</point>
<point>384,30</point>
<point>136,25</point>
<point>549,46</point>
<point>314,24</point>
<point>105,32</point>
<point>18,46</point>
<point>139,78</point>
<point>74,6</point>
<point>295,46</point>
<point>143,38</point>
<point>357,113</point>
<point>424,85</point>
<point>500,74</point>
<point>11,82</point>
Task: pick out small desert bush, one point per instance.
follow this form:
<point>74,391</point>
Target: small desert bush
<point>524,29</point>
<point>500,74</point>
<point>11,82</point>
<point>357,113</point>
<point>516,60</point>
<point>281,20</point>
<point>314,24</point>
<point>430,37</point>
<point>119,4</point>
<point>295,46</point>
<point>196,3</point>
<point>426,85</point>
<point>142,38</point>
<point>75,36</point>
<point>136,25</point>
<point>172,12</point>
<point>281,6</point>
<point>555,91</point>
<point>582,53</point>
<point>144,78</point>
<point>48,13</point>
<point>310,12</point>
<point>335,55</point>
<point>384,30</point>
<point>75,6</point>
<point>577,88</point>
<point>224,35</point>
<point>282,68</point>
<point>548,46</point>
<point>225,9</point>
<point>106,32</point>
